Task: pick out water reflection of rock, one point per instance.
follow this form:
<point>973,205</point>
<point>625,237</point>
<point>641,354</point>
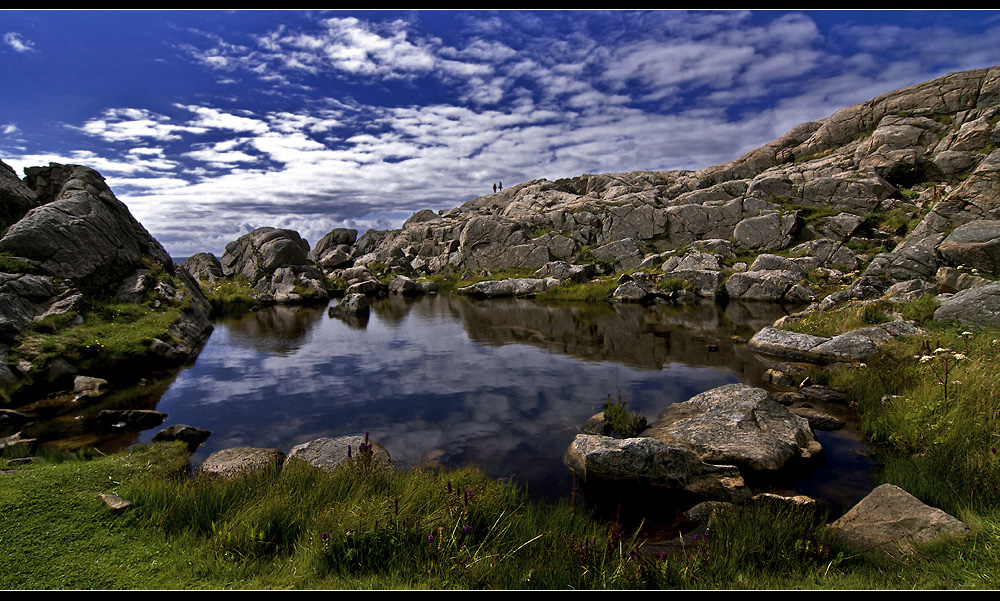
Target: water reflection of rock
<point>278,329</point>
<point>704,334</point>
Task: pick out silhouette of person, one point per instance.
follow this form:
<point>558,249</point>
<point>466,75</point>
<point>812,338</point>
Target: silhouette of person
<point>501,186</point>
<point>494,188</point>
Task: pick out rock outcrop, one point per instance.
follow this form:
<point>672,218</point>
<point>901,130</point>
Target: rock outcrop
<point>276,264</point>
<point>835,194</point>
<point>853,346</point>
<point>70,241</point>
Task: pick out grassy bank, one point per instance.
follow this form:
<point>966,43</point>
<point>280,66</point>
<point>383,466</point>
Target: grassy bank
<point>299,528</point>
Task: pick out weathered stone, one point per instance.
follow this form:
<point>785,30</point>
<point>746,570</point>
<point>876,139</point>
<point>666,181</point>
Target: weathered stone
<point>16,198</point>
<point>239,461</point>
<point>852,346</point>
<point>739,425</point>
<point>114,502</point>
<point>978,307</point>
<point>649,462</point>
<point>189,435</point>
<point>767,232</point>
<point>892,522</point>
<point>636,291</point>
<point>508,287</point>
<point>333,239</point>
<point>622,254</point>
<point>564,271</point>
<point>703,282</point>
<point>329,454</point>
<point>768,286</point>
<point>951,280</point>
<point>353,304</point>
<point>84,234</point>
<point>89,386</point>
<point>204,267</point>
<point>975,245</point>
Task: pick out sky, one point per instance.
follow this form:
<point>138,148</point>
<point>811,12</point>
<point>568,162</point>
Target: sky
<point>210,123</point>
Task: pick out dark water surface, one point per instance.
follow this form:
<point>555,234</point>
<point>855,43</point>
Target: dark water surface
<point>446,380</point>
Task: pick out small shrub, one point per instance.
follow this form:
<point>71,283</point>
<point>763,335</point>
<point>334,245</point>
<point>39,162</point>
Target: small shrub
<point>624,423</point>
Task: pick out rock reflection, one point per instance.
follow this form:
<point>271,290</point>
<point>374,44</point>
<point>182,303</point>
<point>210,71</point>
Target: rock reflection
<point>279,329</point>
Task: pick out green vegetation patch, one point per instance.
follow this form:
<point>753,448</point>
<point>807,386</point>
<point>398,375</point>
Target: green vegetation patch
<point>597,290</point>
<point>112,336</point>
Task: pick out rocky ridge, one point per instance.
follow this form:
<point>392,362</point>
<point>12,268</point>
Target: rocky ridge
<point>899,191</point>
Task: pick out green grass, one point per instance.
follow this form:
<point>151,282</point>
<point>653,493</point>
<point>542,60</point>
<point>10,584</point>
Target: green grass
<point>299,528</point>
<point>838,321</point>
<point>624,423</point>
<point>113,337</point>
<point>597,290</point>
<point>229,296</point>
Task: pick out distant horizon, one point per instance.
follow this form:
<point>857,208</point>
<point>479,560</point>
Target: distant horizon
<point>208,124</point>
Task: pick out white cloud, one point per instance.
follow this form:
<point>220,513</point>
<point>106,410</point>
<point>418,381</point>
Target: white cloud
<point>17,42</point>
<point>132,125</point>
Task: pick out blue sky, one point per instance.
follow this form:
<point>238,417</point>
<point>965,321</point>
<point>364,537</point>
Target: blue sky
<point>210,123</point>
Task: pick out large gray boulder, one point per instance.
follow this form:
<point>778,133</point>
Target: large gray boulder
<point>978,307</point>
<point>84,234</point>
<point>975,245</point>
<point>258,254</point>
<point>204,267</point>
<point>333,239</point>
<point>240,461</point>
<point>644,461</point>
<point>740,425</point>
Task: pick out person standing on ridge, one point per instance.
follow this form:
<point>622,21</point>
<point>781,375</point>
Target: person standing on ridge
<point>494,188</point>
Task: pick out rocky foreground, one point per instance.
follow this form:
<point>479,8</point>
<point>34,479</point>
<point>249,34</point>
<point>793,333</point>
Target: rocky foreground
<point>894,198</point>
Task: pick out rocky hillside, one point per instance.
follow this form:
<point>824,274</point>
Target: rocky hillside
<point>71,249</point>
<point>891,190</point>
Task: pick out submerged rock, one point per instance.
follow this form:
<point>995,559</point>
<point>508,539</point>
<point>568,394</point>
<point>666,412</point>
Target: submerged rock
<point>189,435</point>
